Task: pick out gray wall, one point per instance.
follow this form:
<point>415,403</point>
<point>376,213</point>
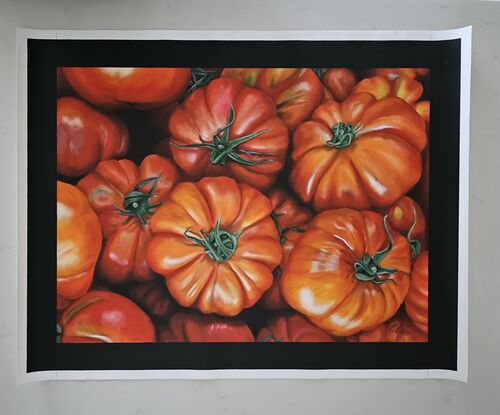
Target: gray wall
<point>480,396</point>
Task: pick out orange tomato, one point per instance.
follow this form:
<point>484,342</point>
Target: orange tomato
<point>125,196</point>
<point>138,88</point>
<point>79,241</point>
<point>291,221</point>
<point>295,91</point>
<point>424,109</point>
<point>86,136</point>
<point>292,328</point>
<point>408,89</point>
<point>348,272</point>
<point>216,245</point>
<point>361,153</point>
<point>417,299</point>
<point>195,328</point>
<point>229,129</point>
<point>105,317</point>
<point>394,73</point>
<point>397,330</point>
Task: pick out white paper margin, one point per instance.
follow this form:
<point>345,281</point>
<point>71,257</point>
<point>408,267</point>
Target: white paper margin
<point>462,342</point>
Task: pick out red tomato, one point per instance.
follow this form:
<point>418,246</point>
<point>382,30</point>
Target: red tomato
<point>125,196</point>
<point>295,91</point>
<point>291,221</point>
<point>397,330</point>
<point>138,88</point>
<point>406,88</point>
<point>229,129</point>
<point>348,272</point>
<point>105,317</point>
<point>360,153</point>
<point>86,136</point>
<point>196,328</point>
<point>292,328</point>
<point>417,299</point>
<point>153,297</point>
<point>216,245</point>
<point>79,241</point>
<point>338,82</point>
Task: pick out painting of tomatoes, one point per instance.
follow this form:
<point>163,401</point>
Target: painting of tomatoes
<point>243,205</point>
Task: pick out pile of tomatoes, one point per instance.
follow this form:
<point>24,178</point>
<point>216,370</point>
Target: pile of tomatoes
<point>221,205</point>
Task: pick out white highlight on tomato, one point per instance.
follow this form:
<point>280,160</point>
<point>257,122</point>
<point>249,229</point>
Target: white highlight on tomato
<point>307,302</point>
<point>118,72</point>
<point>376,185</point>
<point>63,211</point>
<point>72,121</point>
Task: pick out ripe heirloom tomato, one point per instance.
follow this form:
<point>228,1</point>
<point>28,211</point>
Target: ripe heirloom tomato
<point>153,297</point>
<point>138,88</point>
<point>338,82</point>
<point>424,109</point>
<point>125,196</point>
<point>292,328</point>
<point>196,328</point>
<point>86,136</point>
<point>291,221</point>
<point>229,129</point>
<point>348,272</point>
<point>79,239</point>
<point>216,245</point>
<point>394,73</point>
<point>408,89</point>
<point>295,91</point>
<point>361,153</point>
<point>106,317</point>
<point>397,330</point>
<point>417,299</point>
<point>407,218</point>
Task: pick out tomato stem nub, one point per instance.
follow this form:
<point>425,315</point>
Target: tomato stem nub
<point>223,149</point>
<point>199,77</point>
<point>220,245</point>
<point>270,338</point>
<point>283,231</point>
<point>368,268</point>
<point>138,202</point>
<point>343,135</point>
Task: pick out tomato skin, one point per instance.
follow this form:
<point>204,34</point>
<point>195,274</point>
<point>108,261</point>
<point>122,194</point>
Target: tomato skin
<point>417,299</point>
<point>319,280</point>
<point>139,88</point>
<point>193,277</point>
<point>408,89</point>
<point>206,110</point>
<point>153,297</point>
<point>397,330</point>
<point>123,257</point>
<point>403,214</point>
<point>394,73</point>
<point>86,136</point>
<point>292,328</point>
<point>295,91</point>
<point>424,109</point>
<point>106,317</point>
<point>79,239</point>
<point>339,82</point>
<point>288,213</point>
<point>196,328</point>
<point>380,165</point>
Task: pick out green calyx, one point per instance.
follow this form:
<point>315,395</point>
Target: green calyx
<point>271,338</point>
<point>343,135</point>
<point>223,149</point>
<point>319,72</point>
<point>138,202</point>
<point>220,245</point>
<point>199,77</point>
<point>283,231</point>
<point>415,245</point>
<point>368,268</point>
